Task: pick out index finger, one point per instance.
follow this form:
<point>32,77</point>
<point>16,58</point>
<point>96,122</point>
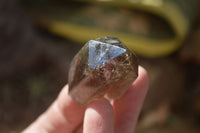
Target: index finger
<point>128,107</point>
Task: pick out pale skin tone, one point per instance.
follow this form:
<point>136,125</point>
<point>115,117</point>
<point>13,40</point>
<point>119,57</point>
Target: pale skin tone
<point>100,116</point>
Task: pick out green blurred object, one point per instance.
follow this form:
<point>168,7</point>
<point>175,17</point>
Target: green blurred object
<point>151,28</point>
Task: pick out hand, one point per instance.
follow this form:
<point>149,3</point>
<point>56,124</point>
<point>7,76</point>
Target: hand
<point>100,116</point>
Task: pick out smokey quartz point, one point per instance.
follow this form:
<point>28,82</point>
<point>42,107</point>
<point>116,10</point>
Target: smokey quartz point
<point>104,66</point>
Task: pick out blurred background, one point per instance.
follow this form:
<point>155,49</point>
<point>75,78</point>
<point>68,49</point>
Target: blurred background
<point>39,38</point>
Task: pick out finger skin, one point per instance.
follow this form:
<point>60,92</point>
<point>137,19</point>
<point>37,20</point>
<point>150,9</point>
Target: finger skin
<point>128,107</point>
<point>99,117</point>
<point>64,115</point>
<point>79,129</point>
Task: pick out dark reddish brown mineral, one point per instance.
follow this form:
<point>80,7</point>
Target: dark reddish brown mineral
<point>104,66</point>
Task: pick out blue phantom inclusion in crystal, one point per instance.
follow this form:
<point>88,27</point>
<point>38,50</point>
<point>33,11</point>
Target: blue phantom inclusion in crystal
<point>100,53</point>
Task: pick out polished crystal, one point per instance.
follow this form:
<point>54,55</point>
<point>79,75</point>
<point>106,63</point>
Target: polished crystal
<point>104,66</point>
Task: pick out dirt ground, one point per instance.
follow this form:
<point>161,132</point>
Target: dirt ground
<point>34,67</point>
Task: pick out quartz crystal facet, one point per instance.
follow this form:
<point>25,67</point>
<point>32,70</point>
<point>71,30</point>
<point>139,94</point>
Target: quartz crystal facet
<point>104,66</point>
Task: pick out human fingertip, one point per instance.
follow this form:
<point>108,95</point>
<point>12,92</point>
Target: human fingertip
<point>143,76</point>
<point>99,117</point>
<point>101,105</point>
